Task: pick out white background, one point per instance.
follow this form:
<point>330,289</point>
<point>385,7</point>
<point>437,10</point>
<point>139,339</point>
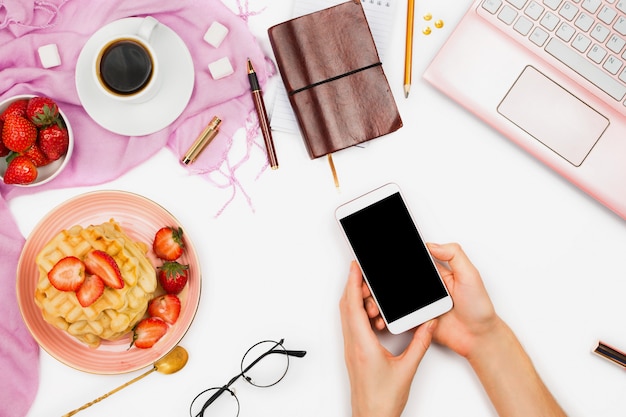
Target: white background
<point>551,257</point>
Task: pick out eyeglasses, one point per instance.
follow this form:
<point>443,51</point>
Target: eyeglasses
<point>263,365</point>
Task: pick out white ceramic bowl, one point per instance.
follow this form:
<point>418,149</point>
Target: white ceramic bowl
<point>48,172</point>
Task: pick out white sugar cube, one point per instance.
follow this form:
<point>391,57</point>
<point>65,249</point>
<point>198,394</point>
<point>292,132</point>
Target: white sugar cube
<point>49,56</point>
<point>221,68</point>
<point>215,34</point>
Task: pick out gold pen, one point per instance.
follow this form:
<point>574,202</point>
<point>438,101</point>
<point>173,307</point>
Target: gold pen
<point>202,141</point>
<point>408,52</point>
<point>264,122</point>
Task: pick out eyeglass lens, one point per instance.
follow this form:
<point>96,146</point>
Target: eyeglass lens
<point>265,363</point>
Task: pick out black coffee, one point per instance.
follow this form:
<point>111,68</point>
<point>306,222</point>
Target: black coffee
<point>125,67</point>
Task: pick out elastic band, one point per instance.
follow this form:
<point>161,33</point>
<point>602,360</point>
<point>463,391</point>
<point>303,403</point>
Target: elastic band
<point>334,78</point>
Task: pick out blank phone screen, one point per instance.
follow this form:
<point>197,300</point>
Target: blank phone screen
<point>394,259</point>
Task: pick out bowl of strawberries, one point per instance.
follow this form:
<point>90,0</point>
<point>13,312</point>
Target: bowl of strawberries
<point>36,140</point>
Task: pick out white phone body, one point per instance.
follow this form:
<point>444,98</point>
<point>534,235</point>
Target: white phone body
<point>396,264</point>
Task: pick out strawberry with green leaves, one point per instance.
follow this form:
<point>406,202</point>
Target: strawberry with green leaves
<point>168,243</point>
<point>54,141</point>
<point>18,133</point>
<point>173,276</point>
<point>42,111</point>
<point>148,331</point>
<point>20,170</point>
<point>166,307</point>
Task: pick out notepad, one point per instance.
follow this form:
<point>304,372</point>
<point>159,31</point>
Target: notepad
<point>380,17</point>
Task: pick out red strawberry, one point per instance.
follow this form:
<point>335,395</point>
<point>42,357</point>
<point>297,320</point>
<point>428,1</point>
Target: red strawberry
<point>42,111</point>
<point>18,133</point>
<point>68,274</point>
<point>90,291</point>
<point>100,263</point>
<point>148,331</point>
<point>173,276</point>
<point>54,141</point>
<point>37,156</point>
<point>20,170</point>
<point>168,243</point>
<point>166,307</point>
<point>4,151</point>
<point>17,107</point>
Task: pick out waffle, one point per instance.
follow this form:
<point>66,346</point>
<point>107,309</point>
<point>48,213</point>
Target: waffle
<point>116,312</point>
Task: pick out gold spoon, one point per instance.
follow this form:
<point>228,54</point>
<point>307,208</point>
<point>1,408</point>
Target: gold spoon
<point>168,364</point>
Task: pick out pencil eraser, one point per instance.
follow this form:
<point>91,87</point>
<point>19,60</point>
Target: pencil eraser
<point>221,68</point>
<point>215,34</point>
<point>49,55</point>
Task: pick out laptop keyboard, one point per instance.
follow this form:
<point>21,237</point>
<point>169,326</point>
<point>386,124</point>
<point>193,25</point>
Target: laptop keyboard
<point>588,36</point>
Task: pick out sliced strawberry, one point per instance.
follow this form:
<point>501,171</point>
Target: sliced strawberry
<point>165,307</point>
<point>68,274</point>
<point>100,263</point>
<point>173,276</point>
<point>90,291</point>
<point>168,243</point>
<point>148,331</point>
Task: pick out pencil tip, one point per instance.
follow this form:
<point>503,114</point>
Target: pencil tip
<point>406,91</point>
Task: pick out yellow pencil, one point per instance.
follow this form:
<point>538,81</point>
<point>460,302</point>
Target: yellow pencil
<point>408,52</point>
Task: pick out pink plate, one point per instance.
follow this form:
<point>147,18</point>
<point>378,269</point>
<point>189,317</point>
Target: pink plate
<point>140,218</point>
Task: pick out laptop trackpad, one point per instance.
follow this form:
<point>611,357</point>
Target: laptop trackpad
<point>553,116</point>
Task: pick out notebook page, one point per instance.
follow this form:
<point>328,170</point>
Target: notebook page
<point>380,15</point>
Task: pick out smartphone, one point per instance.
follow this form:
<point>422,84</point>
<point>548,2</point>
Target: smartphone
<point>396,264</point>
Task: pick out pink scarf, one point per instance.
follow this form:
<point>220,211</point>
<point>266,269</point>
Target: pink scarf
<point>99,155</point>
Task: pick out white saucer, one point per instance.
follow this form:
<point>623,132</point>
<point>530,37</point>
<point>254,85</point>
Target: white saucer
<point>141,119</point>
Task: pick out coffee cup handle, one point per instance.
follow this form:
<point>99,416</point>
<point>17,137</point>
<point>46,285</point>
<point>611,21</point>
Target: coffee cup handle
<point>147,27</point>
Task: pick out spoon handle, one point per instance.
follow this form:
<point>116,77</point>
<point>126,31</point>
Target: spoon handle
<point>71,413</point>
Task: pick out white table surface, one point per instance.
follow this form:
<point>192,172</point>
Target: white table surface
<point>551,258</point>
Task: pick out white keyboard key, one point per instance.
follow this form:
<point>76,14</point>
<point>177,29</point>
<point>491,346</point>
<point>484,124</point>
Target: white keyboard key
<point>492,6</point>
<point>553,4</point>
<point>523,25</point>
<point>549,21</point>
<point>517,3</point>
<point>607,15</point>
<point>539,36</point>
<point>586,69</point>
<point>581,42</point>
<point>612,64</point>
<point>565,32</point>
<point>591,6</point>
<point>534,10</point>
<point>597,54</point>
<point>622,76</point>
<point>620,25</point>
<point>507,15</point>
<point>584,22</point>
<point>621,6</point>
<point>600,33</point>
<point>616,44</point>
<point>568,11</point>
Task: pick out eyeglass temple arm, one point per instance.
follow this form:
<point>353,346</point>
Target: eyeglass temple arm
<point>220,392</point>
<point>296,353</point>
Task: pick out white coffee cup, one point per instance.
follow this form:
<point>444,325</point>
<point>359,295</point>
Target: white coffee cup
<point>126,66</point>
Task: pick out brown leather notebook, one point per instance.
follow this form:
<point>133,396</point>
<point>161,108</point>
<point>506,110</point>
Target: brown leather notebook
<point>334,78</point>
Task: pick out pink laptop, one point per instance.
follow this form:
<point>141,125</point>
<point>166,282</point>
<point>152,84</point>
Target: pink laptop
<point>550,75</point>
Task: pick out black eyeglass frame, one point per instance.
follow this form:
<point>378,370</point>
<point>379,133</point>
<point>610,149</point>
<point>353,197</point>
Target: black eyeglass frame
<point>226,387</point>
